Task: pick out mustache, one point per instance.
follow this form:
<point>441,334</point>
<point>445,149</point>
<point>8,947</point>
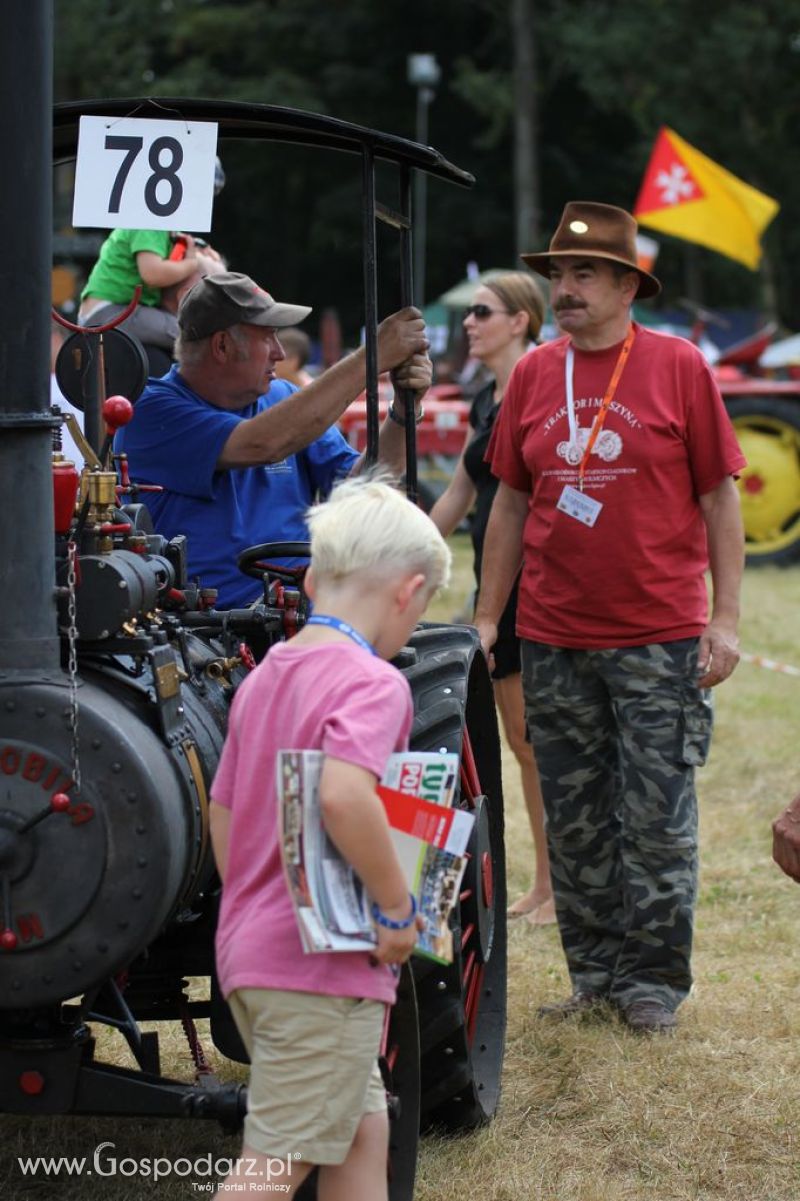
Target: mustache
<point>569,303</point>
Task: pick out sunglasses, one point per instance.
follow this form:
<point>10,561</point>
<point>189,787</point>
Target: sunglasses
<point>482,311</point>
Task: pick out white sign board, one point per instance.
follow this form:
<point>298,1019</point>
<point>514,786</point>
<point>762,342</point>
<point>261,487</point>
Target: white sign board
<point>142,174</point>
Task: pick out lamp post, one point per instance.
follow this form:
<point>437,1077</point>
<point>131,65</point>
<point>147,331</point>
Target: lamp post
<point>424,73</point>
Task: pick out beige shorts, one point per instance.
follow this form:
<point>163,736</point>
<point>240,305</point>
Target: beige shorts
<point>314,1071</point>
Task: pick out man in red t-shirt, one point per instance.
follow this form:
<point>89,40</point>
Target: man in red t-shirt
<point>616,460</point>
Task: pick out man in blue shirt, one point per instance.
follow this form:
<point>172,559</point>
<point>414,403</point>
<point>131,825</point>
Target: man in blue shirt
<point>239,454</point>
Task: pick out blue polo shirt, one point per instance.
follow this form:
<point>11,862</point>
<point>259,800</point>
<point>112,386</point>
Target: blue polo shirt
<point>175,439</point>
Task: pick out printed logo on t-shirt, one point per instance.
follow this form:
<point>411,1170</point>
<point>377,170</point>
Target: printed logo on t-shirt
<point>281,468</point>
<point>591,402</point>
<point>608,446</point>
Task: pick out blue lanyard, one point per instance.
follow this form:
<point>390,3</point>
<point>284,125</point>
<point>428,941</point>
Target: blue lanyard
<point>334,623</point>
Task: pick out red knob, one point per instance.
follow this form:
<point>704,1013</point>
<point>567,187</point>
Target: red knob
<point>32,1083</point>
<point>60,802</point>
<point>8,940</point>
<point>117,411</point>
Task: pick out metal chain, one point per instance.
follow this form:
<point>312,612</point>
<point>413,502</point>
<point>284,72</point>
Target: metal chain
<point>72,662</point>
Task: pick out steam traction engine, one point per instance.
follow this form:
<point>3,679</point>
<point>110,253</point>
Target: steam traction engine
<point>116,675</point>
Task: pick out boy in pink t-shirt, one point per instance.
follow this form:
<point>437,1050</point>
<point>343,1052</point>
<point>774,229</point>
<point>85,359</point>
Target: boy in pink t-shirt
<point>312,1022</point>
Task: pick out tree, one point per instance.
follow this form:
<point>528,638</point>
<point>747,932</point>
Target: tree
<point>605,77</point>
<point>527,201</point>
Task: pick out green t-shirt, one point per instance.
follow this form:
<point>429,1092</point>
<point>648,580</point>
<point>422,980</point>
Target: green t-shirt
<point>115,274</point>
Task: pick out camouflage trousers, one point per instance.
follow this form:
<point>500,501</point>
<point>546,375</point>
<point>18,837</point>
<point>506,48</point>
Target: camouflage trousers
<point>617,735</point>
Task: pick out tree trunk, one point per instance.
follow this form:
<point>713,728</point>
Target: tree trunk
<point>527,201</point>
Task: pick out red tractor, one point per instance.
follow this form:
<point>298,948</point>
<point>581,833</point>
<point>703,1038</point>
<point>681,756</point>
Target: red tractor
<point>440,433</point>
<point>766,415</point>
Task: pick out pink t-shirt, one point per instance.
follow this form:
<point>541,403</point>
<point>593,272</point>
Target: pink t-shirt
<point>337,698</point>
<point>637,575</point>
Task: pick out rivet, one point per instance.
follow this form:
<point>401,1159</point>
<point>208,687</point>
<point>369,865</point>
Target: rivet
<point>96,744</point>
<point>440,984</point>
<point>136,893</point>
<point>11,706</point>
<point>130,797</point>
<point>40,710</point>
<point>116,768</point>
<point>141,861</point>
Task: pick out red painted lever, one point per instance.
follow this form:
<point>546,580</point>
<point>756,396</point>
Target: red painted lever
<point>117,411</point>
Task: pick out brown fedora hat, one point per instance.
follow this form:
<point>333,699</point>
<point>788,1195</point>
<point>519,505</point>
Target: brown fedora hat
<point>596,231</point>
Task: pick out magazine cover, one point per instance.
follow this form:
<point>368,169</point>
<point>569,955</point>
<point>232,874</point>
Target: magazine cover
<point>430,837</point>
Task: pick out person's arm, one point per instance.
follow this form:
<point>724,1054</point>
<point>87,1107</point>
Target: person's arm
<point>356,823</point>
<point>282,430</point>
<point>502,556</point>
<point>719,644</point>
<point>786,840</point>
<point>414,374</point>
<point>219,820</point>
<point>163,273</point>
<point>457,498</point>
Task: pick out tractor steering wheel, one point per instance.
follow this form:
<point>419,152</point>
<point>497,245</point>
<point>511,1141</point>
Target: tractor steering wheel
<point>255,561</point>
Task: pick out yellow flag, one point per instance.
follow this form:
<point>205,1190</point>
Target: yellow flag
<point>685,194</point>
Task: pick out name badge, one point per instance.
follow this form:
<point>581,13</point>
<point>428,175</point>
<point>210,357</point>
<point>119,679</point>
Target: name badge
<point>578,505</point>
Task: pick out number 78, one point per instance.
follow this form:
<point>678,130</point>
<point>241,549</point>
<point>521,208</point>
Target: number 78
<point>168,172</point>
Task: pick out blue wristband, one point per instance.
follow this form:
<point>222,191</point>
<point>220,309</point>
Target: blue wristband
<point>388,923</point>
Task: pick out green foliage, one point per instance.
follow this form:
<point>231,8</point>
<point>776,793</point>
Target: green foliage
<point>609,75</point>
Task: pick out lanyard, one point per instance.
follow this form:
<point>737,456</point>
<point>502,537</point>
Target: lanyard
<point>597,424</point>
<point>335,623</point>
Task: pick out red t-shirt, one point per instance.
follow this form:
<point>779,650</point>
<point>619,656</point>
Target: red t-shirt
<point>637,575</point>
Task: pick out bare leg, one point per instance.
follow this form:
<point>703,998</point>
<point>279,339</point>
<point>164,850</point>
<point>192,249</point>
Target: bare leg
<point>363,1175</point>
<point>537,902</point>
<point>253,1170</point>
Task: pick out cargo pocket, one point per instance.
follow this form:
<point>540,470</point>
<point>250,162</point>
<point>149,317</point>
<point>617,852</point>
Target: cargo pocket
<point>697,722</point>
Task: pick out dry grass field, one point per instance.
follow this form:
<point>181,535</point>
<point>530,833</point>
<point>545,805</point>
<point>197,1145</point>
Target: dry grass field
<point>590,1112</point>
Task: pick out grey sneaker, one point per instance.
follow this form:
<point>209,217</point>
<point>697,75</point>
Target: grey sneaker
<point>649,1017</point>
<point>579,1002</point>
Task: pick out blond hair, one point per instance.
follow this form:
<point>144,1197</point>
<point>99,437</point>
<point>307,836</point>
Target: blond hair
<point>368,527</point>
<point>520,293</point>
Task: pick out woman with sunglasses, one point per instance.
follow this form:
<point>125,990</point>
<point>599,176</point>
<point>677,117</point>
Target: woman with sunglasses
<point>504,319</point>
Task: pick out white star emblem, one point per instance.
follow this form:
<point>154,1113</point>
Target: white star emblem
<point>675,184</point>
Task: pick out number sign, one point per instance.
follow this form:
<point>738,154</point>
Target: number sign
<point>143,174</point>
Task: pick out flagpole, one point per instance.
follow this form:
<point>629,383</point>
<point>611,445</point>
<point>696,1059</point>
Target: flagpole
<point>692,274</point>
<point>769,290</point>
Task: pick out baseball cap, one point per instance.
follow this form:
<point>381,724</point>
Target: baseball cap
<point>220,301</point>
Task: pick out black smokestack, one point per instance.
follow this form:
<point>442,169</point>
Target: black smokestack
<point>28,628</point>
